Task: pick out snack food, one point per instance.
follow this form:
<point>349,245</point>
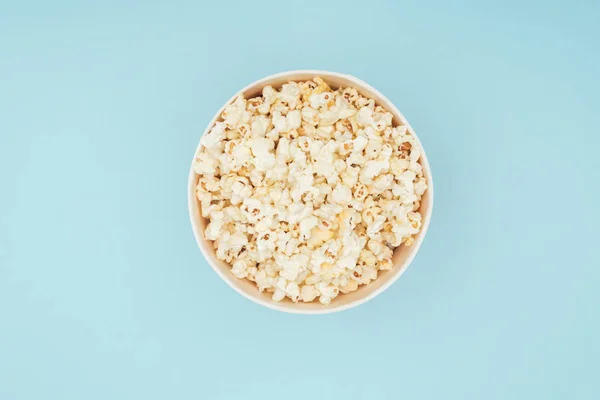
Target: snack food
<point>309,189</point>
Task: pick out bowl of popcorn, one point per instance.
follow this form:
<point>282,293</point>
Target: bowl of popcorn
<point>309,192</point>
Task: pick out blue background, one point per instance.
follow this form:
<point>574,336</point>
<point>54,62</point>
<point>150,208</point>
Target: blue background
<point>105,295</point>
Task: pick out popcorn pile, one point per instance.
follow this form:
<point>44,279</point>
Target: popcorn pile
<point>308,190</point>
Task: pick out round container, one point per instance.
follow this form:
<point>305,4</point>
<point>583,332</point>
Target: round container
<point>402,255</point>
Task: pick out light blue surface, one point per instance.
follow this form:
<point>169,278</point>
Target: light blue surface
<point>105,295</point>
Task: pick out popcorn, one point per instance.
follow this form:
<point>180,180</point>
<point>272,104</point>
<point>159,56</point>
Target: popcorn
<point>283,150</point>
<point>369,273</point>
<point>375,246</point>
<point>206,166</point>
<point>382,120</point>
<point>298,211</point>
<point>240,190</point>
<point>369,215</point>
<point>266,242</point>
<point>356,160</point>
<point>290,94</point>
<point>382,183</point>
<point>236,112</point>
<point>213,229</point>
<point>294,119</point>
<point>287,123</point>
<point>359,144</point>
<point>318,100</point>
<point>308,189</point>
<point>259,126</point>
<point>350,176</point>
<point>214,137</point>
<point>331,115</point>
<point>364,116</point>
<point>278,295</point>
<point>310,116</point>
<point>318,237</point>
<point>328,292</point>
<point>374,146</point>
<point>239,268</point>
<point>269,97</point>
<point>324,132</point>
<point>341,194</point>
<point>306,226</point>
<point>384,254</point>
<point>261,149</point>
<point>351,286</point>
<point>376,226</point>
<point>349,218</point>
<point>339,165</point>
<point>261,280</point>
<point>371,169</point>
<point>386,264</point>
<point>308,293</point>
<point>420,186</point>
<point>292,291</point>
